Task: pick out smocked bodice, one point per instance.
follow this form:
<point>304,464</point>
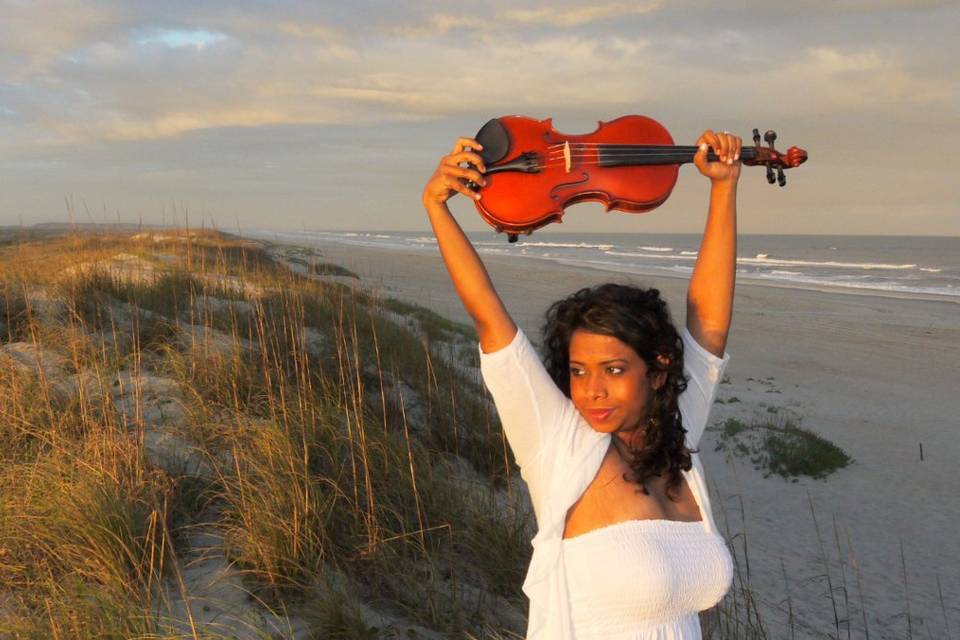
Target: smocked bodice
<point>645,579</point>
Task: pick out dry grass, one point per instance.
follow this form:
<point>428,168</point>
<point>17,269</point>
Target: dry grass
<point>349,481</point>
<point>291,401</point>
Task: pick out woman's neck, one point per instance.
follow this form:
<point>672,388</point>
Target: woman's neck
<point>628,441</point>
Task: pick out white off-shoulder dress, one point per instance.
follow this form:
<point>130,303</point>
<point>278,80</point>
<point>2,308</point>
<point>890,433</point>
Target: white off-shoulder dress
<point>633,580</point>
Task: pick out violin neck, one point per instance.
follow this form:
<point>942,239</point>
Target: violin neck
<point>632,155</point>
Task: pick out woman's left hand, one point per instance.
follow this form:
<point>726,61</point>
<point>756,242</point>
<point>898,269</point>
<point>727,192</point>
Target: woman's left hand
<point>726,147</point>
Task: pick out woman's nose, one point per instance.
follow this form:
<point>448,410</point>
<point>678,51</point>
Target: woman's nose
<point>596,388</point>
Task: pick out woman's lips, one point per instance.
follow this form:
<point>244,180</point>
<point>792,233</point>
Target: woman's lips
<point>599,414</point>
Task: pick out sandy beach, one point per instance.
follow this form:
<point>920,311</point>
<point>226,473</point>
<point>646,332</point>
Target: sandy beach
<point>875,375</point>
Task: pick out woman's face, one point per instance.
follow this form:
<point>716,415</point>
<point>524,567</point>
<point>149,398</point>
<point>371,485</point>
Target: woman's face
<point>608,382</point>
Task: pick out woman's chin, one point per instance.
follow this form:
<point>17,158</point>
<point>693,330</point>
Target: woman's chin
<point>603,426</point>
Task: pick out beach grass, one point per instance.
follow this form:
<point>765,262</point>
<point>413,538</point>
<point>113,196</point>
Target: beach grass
<point>198,440</point>
<point>165,388</point>
<point>779,446</point>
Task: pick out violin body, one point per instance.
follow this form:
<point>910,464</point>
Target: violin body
<point>517,201</point>
<point>630,164</point>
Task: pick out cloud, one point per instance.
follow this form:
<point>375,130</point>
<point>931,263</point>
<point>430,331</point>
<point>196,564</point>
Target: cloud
<point>332,41</point>
<point>124,74</point>
<point>198,39</point>
<point>29,43</point>
<point>166,125</point>
<point>578,15</point>
<point>862,79</point>
<point>492,21</point>
<point>232,90</point>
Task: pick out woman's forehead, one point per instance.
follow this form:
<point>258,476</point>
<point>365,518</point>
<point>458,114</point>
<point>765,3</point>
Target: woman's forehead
<point>595,347</point>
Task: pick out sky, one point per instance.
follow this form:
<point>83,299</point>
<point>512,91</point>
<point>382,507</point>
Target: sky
<point>332,115</point>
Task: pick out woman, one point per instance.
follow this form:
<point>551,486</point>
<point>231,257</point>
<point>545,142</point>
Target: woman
<point>606,439</point>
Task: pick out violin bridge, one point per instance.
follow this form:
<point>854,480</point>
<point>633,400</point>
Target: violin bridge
<point>566,155</point>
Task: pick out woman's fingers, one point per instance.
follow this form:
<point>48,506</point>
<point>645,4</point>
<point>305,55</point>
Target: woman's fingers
<point>713,140</point>
<point>703,144</point>
<point>450,177</point>
<point>726,150</point>
<point>731,147</point>
<point>453,183</point>
<point>725,145</point>
<point>465,173</point>
<point>466,156</point>
<point>465,143</point>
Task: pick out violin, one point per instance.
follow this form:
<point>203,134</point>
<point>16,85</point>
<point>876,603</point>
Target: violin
<point>630,164</point>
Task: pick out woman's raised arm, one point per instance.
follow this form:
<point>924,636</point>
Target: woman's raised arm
<point>710,294</point>
<point>494,325</point>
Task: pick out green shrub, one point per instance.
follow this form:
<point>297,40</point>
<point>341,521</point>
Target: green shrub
<point>782,448</point>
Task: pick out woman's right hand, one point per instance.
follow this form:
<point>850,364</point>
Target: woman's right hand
<point>450,177</point>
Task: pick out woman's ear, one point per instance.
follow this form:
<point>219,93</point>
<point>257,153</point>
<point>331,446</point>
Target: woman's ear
<point>658,380</point>
<point>661,377</point>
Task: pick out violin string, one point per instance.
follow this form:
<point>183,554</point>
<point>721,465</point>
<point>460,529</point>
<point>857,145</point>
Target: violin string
<point>664,147</point>
<point>621,157</point>
<point>593,159</point>
<point>616,159</point>
<point>627,147</point>
<point>624,151</point>
<point>618,144</point>
<point>632,154</point>
<point>548,165</point>
<point>620,148</point>
<point>615,152</point>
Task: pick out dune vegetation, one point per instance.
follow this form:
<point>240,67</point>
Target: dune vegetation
<point>782,447</point>
<point>205,437</point>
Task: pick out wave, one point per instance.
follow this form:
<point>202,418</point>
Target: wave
<point>655,248</point>
<point>854,282</point>
<point>784,272</point>
<point>630,254</point>
<point>830,263</point>
<point>859,282</point>
<point>615,265</point>
<point>565,245</point>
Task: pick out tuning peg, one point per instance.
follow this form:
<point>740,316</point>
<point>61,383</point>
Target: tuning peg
<point>781,178</point>
<point>770,177</point>
<point>756,137</point>
<point>770,137</point>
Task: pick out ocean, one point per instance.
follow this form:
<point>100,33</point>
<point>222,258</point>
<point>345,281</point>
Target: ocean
<point>911,266</point>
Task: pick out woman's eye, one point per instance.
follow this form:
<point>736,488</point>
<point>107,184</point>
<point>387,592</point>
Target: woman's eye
<point>615,370</point>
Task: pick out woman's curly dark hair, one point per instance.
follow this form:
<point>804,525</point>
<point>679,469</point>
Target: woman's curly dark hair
<point>639,318</point>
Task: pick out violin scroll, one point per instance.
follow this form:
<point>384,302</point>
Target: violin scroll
<point>771,158</point>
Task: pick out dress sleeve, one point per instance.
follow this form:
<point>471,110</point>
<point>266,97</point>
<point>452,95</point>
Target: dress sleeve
<point>530,405</point>
<point>703,371</point>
